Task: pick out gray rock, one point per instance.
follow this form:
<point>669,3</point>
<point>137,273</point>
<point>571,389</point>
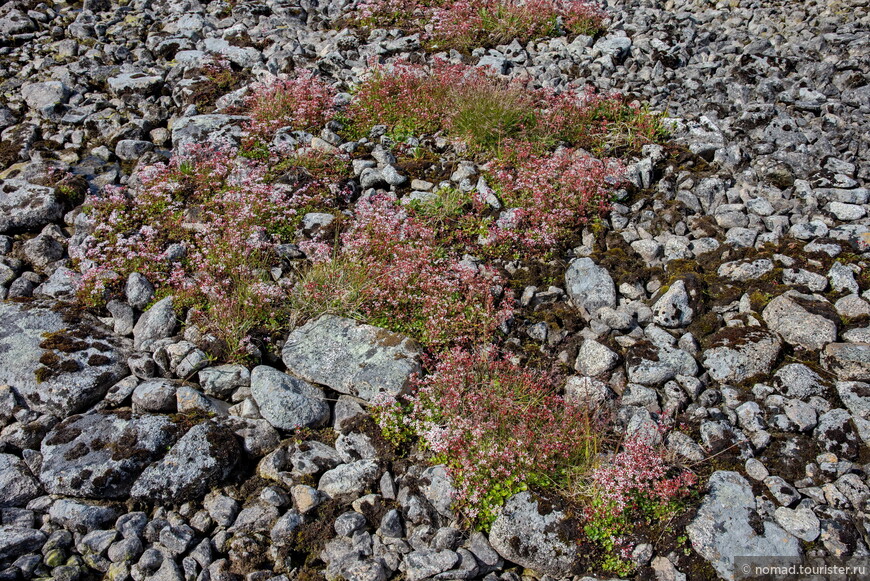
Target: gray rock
<point>26,207</point>
<point>16,541</point>
<point>438,489</point>
<point>139,290</point>
<point>800,522</point>
<point>797,380</point>
<point>783,492</point>
<point>286,402</point>
<point>155,395</point>
<point>589,286</point>
<point>673,309</point>
<point>743,271</point>
<point>313,457</point>
<point>207,128</point>
<point>737,354</point>
<point>223,380</point>
<point>17,484</point>
<point>62,284</point>
<point>349,481</point>
<point>132,149</point>
<point>426,563</point>
<point>350,357</point>
<point>523,535</point>
<point>158,322</point>
<point>849,361</point>
<point>99,455</point>
<point>727,526</point>
<point>594,359</point>
<point>71,383</point>
<point>284,529</point>
<point>137,83</point>
<point>856,397</point>
<point>81,516</point>
<point>835,434</point>
<point>792,316</point>
<point>202,458</point>
<point>44,96</point>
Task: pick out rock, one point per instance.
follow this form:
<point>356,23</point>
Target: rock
<point>835,434</point>
<point>286,402</point>
<point>737,354</point>
<point>155,395</point>
<point>798,381</point>
<point>849,361</point>
<point>139,290</point>
<point>800,522</point>
<point>16,541</point>
<point>17,485</point>
<point>594,359</point>
<point>207,129</point>
<point>523,535</point>
<point>426,563</point>
<point>81,517</point>
<point>727,526</point>
<point>99,455</point>
<point>62,284</point>
<point>438,489</point>
<point>132,149</point>
<point>673,309</point>
<point>44,96</point>
<point>349,481</point>
<point>743,271</point>
<point>223,380</point>
<point>84,359</point>
<point>589,286</point>
<point>158,322</point>
<point>202,458</point>
<point>26,207</point>
<point>137,83</point>
<point>793,316</point>
<point>350,357</point>
<point>856,397</point>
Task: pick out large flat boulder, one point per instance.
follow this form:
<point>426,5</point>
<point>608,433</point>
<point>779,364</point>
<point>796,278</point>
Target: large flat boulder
<point>528,534</point>
<point>287,402</point>
<point>728,526</point>
<point>351,357</point>
<point>804,321</point>
<point>26,207</point>
<point>100,455</point>
<point>59,361</point>
<point>200,460</point>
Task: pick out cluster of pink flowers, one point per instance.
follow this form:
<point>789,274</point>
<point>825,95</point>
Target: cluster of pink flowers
<point>418,286</point>
<point>466,24</point>
<point>637,473</point>
<point>302,102</point>
<point>203,227</point>
<point>488,112</point>
<point>551,197</point>
<point>495,423</point>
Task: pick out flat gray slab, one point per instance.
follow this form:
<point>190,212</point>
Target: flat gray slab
<point>351,357</point>
<point>60,362</point>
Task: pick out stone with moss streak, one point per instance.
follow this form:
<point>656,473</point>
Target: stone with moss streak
<point>523,535</point>
<point>738,354</point>
<point>24,326</point>
<point>727,526</point>
<point>352,358</point>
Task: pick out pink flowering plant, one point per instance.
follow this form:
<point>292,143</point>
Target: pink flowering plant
<point>490,116</point>
<point>636,484</point>
<point>202,227</point>
<point>303,102</point>
<point>409,282</point>
<point>499,428</point>
<point>464,24</point>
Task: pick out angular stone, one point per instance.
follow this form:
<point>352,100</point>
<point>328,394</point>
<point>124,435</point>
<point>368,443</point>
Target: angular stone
<point>856,397</point>
<point>593,359</point>
<point>528,534</point>
<point>728,526</point>
<point>351,357</point>
<point>286,402</point>
<point>16,541</point>
<point>78,362</point>
<point>201,459</point>
<point>589,286</point>
<point>740,353</point>
<point>349,481</point>
<point>848,361</point>
<point>158,322</point>
<point>26,207</point>
<point>100,455</point>
<point>673,309</point>
<point>794,316</point>
<point>17,484</point>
